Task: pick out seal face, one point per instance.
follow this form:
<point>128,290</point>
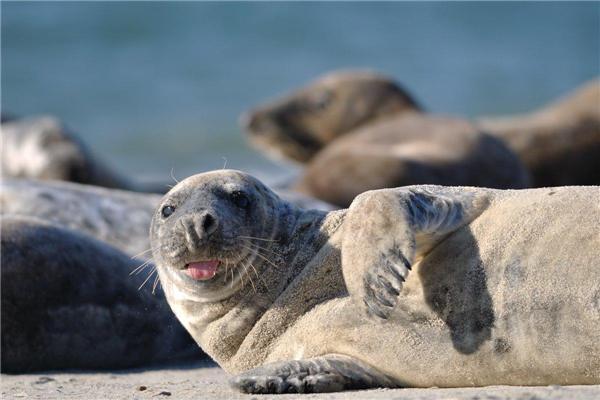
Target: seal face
<point>300,124</point>
<point>203,231</point>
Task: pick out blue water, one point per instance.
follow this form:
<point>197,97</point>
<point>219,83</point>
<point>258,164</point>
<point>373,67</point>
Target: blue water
<point>151,86</point>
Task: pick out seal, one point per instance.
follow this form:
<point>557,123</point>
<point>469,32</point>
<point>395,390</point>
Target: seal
<point>117,217</point>
<point>68,301</point>
<point>503,288</point>
<point>410,149</point>
<point>300,124</point>
<point>43,148</point>
<point>558,143</point>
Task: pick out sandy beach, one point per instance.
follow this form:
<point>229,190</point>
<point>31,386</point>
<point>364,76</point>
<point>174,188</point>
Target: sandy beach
<point>204,380</point>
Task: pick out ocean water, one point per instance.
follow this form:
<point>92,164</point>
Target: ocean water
<point>155,86</point>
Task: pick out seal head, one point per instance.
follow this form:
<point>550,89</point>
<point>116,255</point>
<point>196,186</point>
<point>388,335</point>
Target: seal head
<point>204,232</point>
<point>300,124</point>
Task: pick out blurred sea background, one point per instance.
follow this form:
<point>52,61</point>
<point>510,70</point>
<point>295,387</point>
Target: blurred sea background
<point>154,86</point>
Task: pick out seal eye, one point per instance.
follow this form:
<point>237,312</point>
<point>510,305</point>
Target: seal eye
<point>167,211</point>
<point>240,199</point>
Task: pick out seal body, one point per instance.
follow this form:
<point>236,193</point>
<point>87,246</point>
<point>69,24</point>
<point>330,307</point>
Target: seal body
<point>68,301</point>
<point>117,217</point>
<point>503,289</point>
<point>413,148</point>
<point>559,143</point>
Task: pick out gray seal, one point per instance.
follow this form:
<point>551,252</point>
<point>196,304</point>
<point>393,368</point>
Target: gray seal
<point>417,286</point>
<point>68,301</point>
<point>117,217</point>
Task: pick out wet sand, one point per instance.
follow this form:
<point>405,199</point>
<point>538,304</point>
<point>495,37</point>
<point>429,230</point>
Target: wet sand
<point>204,380</point>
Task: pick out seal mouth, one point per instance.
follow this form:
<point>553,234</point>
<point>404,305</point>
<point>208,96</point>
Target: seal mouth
<point>202,270</point>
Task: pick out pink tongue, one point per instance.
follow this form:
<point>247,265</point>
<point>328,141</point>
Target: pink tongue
<point>203,270</point>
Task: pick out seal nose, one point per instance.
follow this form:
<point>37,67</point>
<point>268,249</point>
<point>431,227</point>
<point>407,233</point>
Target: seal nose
<point>256,122</point>
<point>198,228</point>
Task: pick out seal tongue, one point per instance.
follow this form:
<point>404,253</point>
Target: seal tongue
<point>202,270</point>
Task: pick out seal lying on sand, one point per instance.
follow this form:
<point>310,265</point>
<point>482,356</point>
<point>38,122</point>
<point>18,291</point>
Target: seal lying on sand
<point>503,290</point>
<point>299,125</point>
<point>68,301</point>
<point>559,143</point>
<point>410,149</point>
<point>42,148</point>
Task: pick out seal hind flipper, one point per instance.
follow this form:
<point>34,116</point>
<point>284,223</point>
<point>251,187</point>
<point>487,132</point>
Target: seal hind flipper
<point>329,373</point>
<point>403,225</point>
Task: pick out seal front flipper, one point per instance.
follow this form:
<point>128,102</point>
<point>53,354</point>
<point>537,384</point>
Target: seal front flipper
<point>387,231</point>
<point>329,373</point>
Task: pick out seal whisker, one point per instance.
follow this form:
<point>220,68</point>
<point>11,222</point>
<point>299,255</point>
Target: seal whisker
<point>267,260</point>
<point>249,276</point>
<point>148,278</point>
<point>258,276</point>
<point>141,267</point>
<point>251,249</point>
<point>143,252</point>
<point>241,278</point>
<point>173,176</point>
<point>261,247</point>
<point>156,280</point>
<point>257,238</point>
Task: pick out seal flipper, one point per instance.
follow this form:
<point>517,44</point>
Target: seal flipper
<point>386,231</point>
<point>329,373</point>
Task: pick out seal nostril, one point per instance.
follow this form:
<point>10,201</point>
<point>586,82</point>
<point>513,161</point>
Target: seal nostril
<point>209,224</point>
